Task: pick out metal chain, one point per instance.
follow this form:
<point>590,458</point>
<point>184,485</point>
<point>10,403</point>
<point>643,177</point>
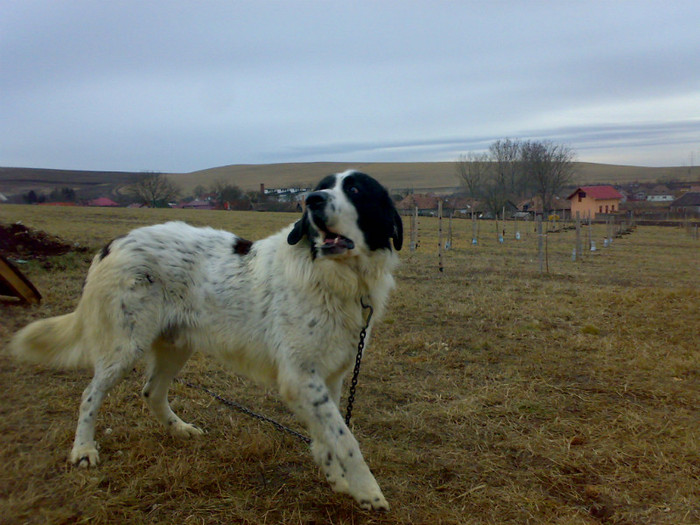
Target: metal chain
<point>279,426</point>
<point>358,362</point>
<point>247,411</point>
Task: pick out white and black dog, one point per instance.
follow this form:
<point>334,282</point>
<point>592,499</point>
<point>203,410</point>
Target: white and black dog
<point>285,310</point>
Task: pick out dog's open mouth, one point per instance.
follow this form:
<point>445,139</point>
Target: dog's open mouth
<point>334,244</point>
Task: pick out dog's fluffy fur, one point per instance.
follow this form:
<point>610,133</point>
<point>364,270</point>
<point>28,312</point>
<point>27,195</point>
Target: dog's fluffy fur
<point>284,310</point>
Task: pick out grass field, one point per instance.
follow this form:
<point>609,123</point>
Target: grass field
<point>489,394</point>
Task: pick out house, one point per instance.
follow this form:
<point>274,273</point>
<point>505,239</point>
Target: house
<point>102,201</point>
<point>688,203</point>
<point>639,195</point>
<point>292,194</point>
<point>458,204</point>
<point>660,194</point>
<point>533,206</point>
<point>588,201</point>
<point>426,204</point>
<point>199,205</point>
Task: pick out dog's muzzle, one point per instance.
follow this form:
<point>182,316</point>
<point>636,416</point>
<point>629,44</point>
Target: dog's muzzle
<point>332,243</point>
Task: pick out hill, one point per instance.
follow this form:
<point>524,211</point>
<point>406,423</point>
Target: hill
<point>420,176</point>
<point>87,184</point>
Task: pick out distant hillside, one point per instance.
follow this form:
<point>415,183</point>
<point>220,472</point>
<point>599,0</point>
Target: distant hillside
<point>87,184</point>
<point>420,176</point>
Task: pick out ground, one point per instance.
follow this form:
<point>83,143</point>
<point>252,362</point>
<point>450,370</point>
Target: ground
<point>490,393</point>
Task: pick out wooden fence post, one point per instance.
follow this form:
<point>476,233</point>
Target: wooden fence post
<point>540,244</point>
<point>579,247</point>
<point>440,235</point>
<point>414,230</point>
<point>448,244</point>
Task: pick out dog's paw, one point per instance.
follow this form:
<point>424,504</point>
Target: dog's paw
<point>372,500</point>
<point>369,495</point>
<point>184,430</point>
<point>84,456</point>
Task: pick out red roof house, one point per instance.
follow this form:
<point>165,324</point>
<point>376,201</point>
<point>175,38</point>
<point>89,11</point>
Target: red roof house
<point>588,201</point>
<point>102,201</point>
<point>424,203</point>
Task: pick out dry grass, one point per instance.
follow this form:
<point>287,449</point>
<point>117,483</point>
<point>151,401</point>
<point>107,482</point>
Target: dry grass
<point>490,394</point>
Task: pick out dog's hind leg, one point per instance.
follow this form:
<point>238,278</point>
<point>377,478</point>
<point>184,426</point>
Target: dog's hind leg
<point>108,372</point>
<point>166,362</point>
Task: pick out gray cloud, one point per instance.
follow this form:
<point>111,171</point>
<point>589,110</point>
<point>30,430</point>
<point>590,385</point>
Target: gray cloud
<point>180,86</point>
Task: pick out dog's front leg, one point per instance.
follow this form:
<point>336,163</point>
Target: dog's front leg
<point>334,447</point>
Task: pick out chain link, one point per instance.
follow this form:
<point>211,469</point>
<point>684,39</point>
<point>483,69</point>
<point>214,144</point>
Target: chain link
<point>247,411</point>
<point>279,426</point>
<point>358,362</point>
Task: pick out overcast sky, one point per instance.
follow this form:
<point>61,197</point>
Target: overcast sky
<point>179,86</point>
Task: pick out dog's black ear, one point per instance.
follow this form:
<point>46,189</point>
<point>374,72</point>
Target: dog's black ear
<point>397,235</point>
<point>301,228</point>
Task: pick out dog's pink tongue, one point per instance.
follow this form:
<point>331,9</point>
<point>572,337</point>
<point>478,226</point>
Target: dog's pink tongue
<point>337,244</point>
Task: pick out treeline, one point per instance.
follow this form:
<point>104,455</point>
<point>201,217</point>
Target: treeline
<point>56,195</point>
<point>513,169</point>
<point>152,188</point>
<point>157,190</point>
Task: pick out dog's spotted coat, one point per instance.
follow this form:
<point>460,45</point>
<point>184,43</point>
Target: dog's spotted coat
<point>285,310</point>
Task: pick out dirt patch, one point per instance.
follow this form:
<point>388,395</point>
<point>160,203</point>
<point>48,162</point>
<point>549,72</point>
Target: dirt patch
<point>18,241</point>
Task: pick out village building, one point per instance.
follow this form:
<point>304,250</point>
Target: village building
<point>459,205</point>
<point>687,204</point>
<point>198,204</point>
<point>426,204</point>
<point>533,206</point>
<point>102,201</point>
<point>589,201</point>
<point>660,194</point>
<point>292,194</point>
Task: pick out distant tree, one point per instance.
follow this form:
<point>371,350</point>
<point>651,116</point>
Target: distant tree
<point>473,171</point>
<point>548,167</point>
<point>505,155</point>
<point>198,191</point>
<point>154,188</point>
<point>30,197</point>
<point>62,195</point>
<point>514,169</point>
<point>226,192</point>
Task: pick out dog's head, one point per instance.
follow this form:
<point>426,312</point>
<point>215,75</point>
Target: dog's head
<point>346,214</point>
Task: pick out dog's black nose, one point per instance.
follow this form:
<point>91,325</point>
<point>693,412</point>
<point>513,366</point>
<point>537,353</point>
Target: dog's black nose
<point>316,200</point>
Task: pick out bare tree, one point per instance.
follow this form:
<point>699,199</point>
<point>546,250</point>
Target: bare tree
<point>548,168</point>
<point>513,169</point>
<point>505,154</point>
<point>483,180</point>
<point>154,188</point>
<point>473,171</point>
<point>226,192</point>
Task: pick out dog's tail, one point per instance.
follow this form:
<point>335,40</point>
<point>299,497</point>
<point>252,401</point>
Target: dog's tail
<point>55,341</point>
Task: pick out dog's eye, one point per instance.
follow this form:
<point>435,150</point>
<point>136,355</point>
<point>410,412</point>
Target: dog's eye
<point>354,190</point>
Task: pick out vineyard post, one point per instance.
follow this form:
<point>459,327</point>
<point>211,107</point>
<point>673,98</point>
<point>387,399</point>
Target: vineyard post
<point>440,267</point>
<point>540,247</point>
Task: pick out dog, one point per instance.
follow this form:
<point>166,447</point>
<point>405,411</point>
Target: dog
<point>285,310</point>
